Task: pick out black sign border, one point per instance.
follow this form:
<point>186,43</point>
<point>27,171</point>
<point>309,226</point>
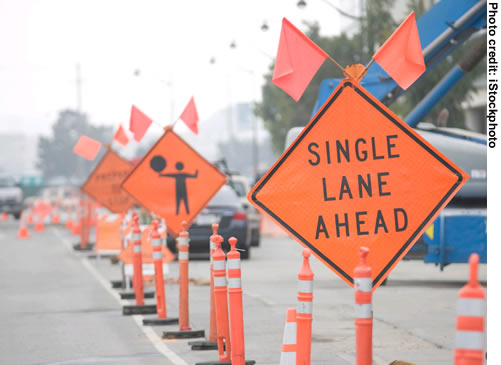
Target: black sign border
<point>306,130</point>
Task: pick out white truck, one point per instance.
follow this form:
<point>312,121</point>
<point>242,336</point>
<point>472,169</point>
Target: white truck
<point>11,196</point>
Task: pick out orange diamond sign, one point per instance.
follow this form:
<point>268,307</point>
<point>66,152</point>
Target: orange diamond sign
<point>103,184</point>
<point>356,176</point>
<point>174,181</point>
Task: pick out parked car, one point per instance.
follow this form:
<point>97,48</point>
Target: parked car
<point>11,196</point>
<point>242,187</point>
<point>225,209</point>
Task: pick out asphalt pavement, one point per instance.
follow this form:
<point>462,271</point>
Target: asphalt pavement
<point>58,307</point>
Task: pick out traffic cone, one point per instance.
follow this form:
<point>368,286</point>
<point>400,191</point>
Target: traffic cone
<point>55,216</point>
<point>470,324</point>
<point>23,230</point>
<point>5,216</point>
<point>288,355</point>
<point>162,319</point>
<point>184,312</point>
<point>211,344</point>
<point>304,311</point>
<point>363,309</point>
<point>39,227</point>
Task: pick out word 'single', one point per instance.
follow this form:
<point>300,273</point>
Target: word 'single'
<point>357,175</point>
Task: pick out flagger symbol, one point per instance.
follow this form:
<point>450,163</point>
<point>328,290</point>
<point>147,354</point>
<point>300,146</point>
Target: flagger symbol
<point>158,164</point>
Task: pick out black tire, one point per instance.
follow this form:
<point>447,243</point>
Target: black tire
<point>245,255</point>
<point>17,216</point>
<point>255,238</point>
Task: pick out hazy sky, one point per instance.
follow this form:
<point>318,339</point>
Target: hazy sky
<point>170,42</point>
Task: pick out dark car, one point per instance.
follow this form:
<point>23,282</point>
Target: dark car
<point>226,210</point>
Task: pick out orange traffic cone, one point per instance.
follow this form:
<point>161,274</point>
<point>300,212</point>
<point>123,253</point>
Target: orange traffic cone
<point>39,227</point>
<point>5,216</point>
<point>23,231</point>
<point>55,218</point>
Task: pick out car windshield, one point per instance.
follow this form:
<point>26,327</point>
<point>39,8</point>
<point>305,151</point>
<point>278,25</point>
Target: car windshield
<point>225,197</point>
<point>7,182</point>
<point>239,188</point>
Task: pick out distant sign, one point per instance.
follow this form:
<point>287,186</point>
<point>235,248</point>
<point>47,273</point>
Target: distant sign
<point>174,181</point>
<point>357,176</point>
<point>103,184</point>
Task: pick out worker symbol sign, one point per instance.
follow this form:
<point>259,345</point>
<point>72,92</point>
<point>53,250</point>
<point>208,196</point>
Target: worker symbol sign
<point>356,176</point>
<point>103,184</point>
<point>174,181</point>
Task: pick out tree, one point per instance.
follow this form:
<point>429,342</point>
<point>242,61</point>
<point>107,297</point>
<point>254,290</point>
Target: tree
<point>280,112</point>
<point>55,152</point>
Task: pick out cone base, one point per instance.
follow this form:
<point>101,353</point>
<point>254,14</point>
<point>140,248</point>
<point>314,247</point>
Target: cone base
<point>183,334</point>
<point>247,362</point>
<point>159,321</point>
<point>129,310</point>
<point>89,247</point>
<point>203,345</point>
<point>119,284</point>
<point>132,295</point>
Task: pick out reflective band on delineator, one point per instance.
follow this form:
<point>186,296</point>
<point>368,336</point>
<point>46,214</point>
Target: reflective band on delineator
<point>218,265</point>
<point>363,310</point>
<point>219,281</point>
<point>156,242</point>
<point>305,286</point>
<point>470,340</point>
<point>137,248</point>
<point>304,307</point>
<point>290,333</point>
<point>157,255</point>
<point>233,264</point>
<point>136,236</point>
<point>234,283</point>
<point>182,241</point>
<point>363,284</point>
<point>181,255</point>
<point>288,358</point>
<point>212,245</point>
<point>471,307</point>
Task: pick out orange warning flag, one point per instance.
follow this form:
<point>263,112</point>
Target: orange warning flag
<point>401,55</point>
<point>298,60</point>
<point>190,116</point>
<point>121,137</point>
<point>87,148</point>
<point>139,123</point>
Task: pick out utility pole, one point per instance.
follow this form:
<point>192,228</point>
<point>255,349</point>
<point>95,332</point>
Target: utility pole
<point>79,88</point>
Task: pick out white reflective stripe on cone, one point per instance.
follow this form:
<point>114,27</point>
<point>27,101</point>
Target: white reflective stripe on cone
<point>156,242</point>
<point>290,333</point>
<point>470,340</point>
<point>136,236</point>
<point>471,307</point>
<point>234,283</point>
<point>212,245</point>
<point>182,241</point>
<point>288,358</point>
<point>363,284</point>
<point>304,307</point>
<point>305,286</point>
<point>218,265</point>
<point>137,248</point>
<point>233,263</point>
<point>219,281</point>
<point>157,255</point>
<point>181,255</point>
<point>363,310</point>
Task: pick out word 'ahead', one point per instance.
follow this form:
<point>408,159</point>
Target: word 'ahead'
<point>357,176</point>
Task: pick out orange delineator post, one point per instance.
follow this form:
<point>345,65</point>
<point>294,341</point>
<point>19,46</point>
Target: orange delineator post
<point>221,301</point>
<point>183,246</point>
<point>236,305</point>
<point>5,216</point>
<point>84,225</point>
<point>288,355</point>
<point>212,322</point>
<point>304,311</point>
<point>137,262</point>
<point>156,242</point>
<point>470,323</point>
<point>363,309</point>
